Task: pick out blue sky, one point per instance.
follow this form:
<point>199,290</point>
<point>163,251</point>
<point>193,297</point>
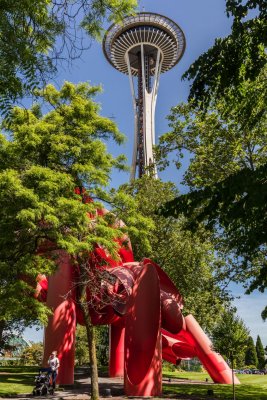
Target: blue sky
<point>202,22</point>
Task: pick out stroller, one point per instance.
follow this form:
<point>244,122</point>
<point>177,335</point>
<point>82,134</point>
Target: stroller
<point>43,384</point>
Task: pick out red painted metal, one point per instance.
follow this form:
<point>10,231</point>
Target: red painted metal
<point>146,308</point>
<point>116,349</point>
<point>217,368</point>
<point>142,337</point>
<point>60,331</point>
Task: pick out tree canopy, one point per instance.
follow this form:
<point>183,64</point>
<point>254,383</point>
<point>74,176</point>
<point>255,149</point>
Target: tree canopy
<point>36,36</point>
<point>54,169</point>
<point>230,337</point>
<point>235,59</point>
<point>222,130</point>
<point>182,254</point>
<point>251,354</point>
<point>41,162</point>
<point>226,177</point>
<point>32,355</point>
<point>260,353</point>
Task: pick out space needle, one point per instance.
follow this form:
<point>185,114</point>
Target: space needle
<point>144,46</point>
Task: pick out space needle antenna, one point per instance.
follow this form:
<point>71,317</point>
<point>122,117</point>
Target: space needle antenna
<point>144,46</point>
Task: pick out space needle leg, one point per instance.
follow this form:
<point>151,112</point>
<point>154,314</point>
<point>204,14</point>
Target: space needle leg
<point>150,98</point>
<point>134,157</point>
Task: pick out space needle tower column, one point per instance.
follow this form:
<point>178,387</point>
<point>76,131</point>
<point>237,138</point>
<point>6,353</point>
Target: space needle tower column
<point>144,46</point>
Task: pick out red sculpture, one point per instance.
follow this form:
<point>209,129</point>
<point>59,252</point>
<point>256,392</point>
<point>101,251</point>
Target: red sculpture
<point>145,318</point>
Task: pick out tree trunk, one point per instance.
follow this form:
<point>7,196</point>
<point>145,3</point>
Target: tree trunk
<point>92,352</point>
<point>90,336</point>
<point>2,327</point>
<point>233,375</point>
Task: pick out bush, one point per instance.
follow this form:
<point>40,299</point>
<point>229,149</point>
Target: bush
<point>32,355</point>
<point>10,363</point>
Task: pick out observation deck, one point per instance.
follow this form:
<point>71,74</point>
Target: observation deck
<point>154,31</point>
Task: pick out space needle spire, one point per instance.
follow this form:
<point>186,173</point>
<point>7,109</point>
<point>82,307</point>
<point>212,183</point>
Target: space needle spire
<point>144,46</point>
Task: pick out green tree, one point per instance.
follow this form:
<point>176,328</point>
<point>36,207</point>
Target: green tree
<point>223,130</point>
<point>260,353</point>
<point>27,31</point>
<point>226,176</point>
<point>32,355</point>
<point>251,354</point>
<point>230,338</point>
<point>238,58</point>
<point>182,254</point>
<point>81,346</point>
<point>45,158</point>
<point>35,35</point>
<point>221,142</point>
<point>102,345</point>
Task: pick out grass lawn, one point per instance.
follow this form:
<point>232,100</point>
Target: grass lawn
<point>16,380</point>
<point>253,387</point>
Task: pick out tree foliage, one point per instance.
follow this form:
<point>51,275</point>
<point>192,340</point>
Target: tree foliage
<point>226,176</point>
<point>182,254</point>
<point>260,353</point>
<point>102,345</point>
<point>235,59</point>
<point>27,31</point>
<point>223,131</point>
<point>49,155</point>
<point>251,354</point>
<point>228,137</point>
<point>32,355</point>
<point>44,158</point>
<point>81,346</point>
<point>230,337</point>
<point>36,36</point>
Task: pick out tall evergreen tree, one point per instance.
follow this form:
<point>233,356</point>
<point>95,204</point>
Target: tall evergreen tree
<point>251,354</point>
<point>260,353</point>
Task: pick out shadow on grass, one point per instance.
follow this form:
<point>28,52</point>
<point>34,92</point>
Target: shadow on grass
<point>16,383</point>
<point>20,370</point>
<point>14,380</point>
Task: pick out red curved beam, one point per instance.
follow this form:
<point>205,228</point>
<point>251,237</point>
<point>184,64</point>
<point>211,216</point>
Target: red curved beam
<point>60,331</point>
<point>145,306</point>
<point>142,337</point>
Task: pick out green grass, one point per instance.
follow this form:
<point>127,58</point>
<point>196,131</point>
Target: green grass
<point>186,375</point>
<point>17,380</point>
<point>253,387</point>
